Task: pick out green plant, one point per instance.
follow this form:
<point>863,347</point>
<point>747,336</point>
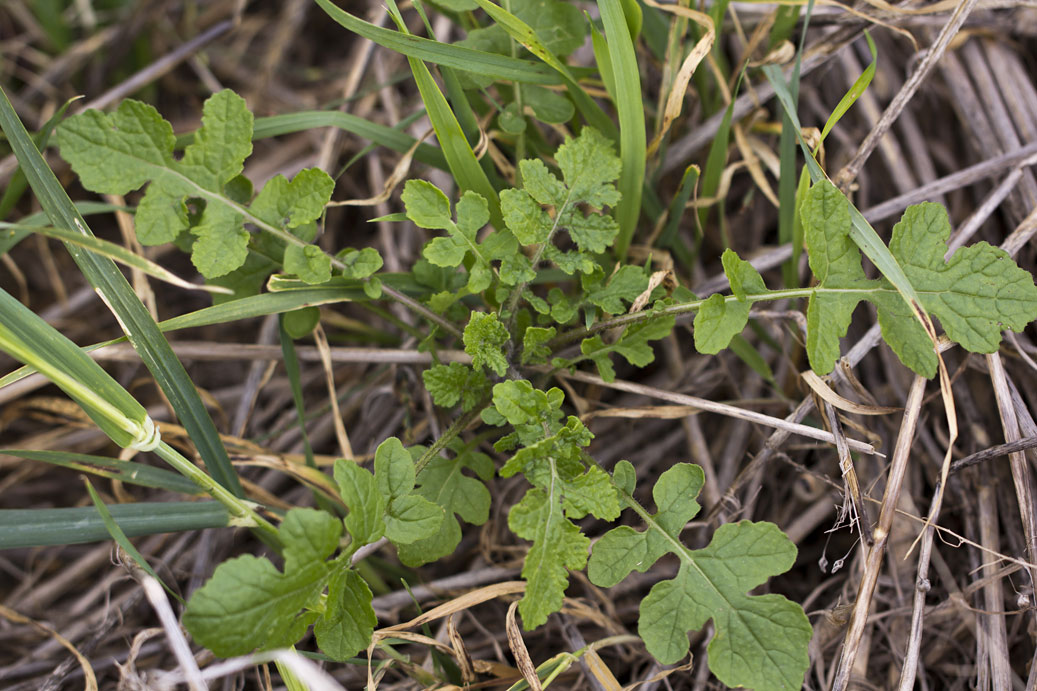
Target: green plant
<point>549,275</point>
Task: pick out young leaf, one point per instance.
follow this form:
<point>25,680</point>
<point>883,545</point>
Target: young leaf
<point>632,345</point>
<point>589,168</point>
<point>720,318</point>
<point>534,344</point>
<point>308,262</point>
<point>408,517</point>
<point>120,152</point>
<point>548,106</point>
<point>384,503</point>
<point>625,285</point>
<point>249,604</point>
<point>429,208</point>
<point>563,490</point>
<point>348,620</point>
<point>360,263</point>
<point>365,503</point>
<point>484,338</point>
<point>448,384</point>
<point>443,483</point>
<point>760,640</point>
<point>718,321</point>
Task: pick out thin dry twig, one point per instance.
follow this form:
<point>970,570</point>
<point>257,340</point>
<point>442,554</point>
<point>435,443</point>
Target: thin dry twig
<point>720,408</point>
<point>875,555</point>
<point>932,56</point>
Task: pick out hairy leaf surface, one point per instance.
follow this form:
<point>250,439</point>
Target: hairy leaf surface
<point>546,204</point>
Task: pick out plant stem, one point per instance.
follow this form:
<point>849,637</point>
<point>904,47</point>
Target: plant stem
<point>685,307</point>
<point>516,292</point>
<point>240,510</point>
<point>448,435</point>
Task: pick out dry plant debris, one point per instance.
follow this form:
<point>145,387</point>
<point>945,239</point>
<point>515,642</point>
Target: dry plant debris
<point>910,570</point>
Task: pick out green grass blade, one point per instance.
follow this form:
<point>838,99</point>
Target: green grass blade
<point>27,338</point>
<point>115,252</point>
<point>500,67</point>
<point>717,158</point>
<point>292,369</point>
<point>524,34</point>
<point>630,107</point>
<point>634,16</point>
<point>603,58</point>
<point>43,527</point>
<point>854,92</point>
<point>112,469</point>
<point>655,31</point>
<point>461,159</point>
<point>114,289</point>
<point>245,308</point>
<point>11,237</point>
<point>117,534</point>
<point>784,23</point>
<point>17,184</point>
<point>788,221</point>
<point>668,238</point>
<point>748,354</point>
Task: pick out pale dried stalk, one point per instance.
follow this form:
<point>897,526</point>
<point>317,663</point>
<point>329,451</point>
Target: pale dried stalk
<point>873,561</point>
<point>851,484</point>
<point>345,447</point>
<point>996,638</point>
<point>720,408</point>
<point>204,350</point>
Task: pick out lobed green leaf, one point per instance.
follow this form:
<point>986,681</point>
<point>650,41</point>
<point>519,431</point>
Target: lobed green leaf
<point>122,151</point>
<point>444,483</point>
<point>760,640</point>
<point>484,338</point>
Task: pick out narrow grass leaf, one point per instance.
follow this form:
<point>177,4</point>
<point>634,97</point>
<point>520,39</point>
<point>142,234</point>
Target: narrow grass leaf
<point>748,354</point>
<point>500,67</point>
<point>112,469</point>
<point>603,58</point>
<point>11,237</point>
<point>245,308</point>
<point>854,92</point>
<point>789,196</point>
<point>115,252</point>
<point>717,158</point>
<point>669,237</point>
<point>112,526</point>
<point>461,159</point>
<point>630,107</point>
<point>17,183</point>
<point>45,527</point>
<point>28,338</point>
